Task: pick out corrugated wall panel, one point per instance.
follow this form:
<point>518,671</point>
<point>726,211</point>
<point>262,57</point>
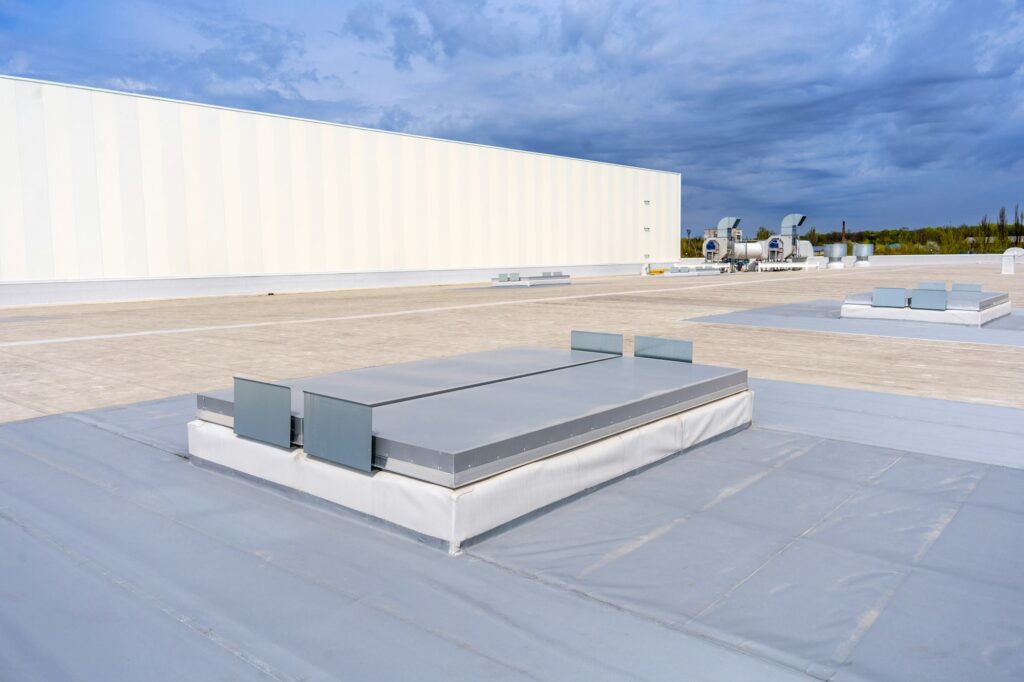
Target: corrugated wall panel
<point>192,199</point>
<point>84,186</point>
<point>230,153</point>
<point>129,164</point>
<point>60,182</point>
<point>315,197</point>
<point>34,183</point>
<point>329,197</point>
<point>97,184</point>
<point>13,263</point>
<point>212,205</point>
<point>108,186</point>
<point>154,201</point>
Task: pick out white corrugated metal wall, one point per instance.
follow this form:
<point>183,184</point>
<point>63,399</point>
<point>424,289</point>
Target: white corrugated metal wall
<point>95,184</point>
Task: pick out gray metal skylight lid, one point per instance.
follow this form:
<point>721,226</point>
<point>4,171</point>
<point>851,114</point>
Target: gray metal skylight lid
<point>375,386</point>
<point>975,300</point>
<point>889,297</point>
<point>459,437</point>
<point>928,299</point>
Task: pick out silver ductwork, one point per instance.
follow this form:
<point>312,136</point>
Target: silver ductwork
<point>748,250</point>
<point>725,243</point>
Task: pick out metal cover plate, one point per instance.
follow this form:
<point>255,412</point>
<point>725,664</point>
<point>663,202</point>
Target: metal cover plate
<point>262,412</point>
<point>459,437</point>
<point>885,297</point>
<point>662,348</point>
<point>339,431</point>
<point>599,342</point>
<point>975,300</point>
<point>377,386</point>
<point>928,299</point>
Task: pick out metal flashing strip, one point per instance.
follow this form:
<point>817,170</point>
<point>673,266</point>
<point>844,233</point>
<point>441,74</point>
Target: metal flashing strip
<point>663,349</point>
<point>262,412</point>
<point>340,431</point>
<point>598,342</point>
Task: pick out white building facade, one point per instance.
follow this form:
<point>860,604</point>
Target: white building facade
<point>106,195</point>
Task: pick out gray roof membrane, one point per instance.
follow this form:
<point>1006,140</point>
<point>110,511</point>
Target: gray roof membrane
<point>767,555</point>
<point>822,315</point>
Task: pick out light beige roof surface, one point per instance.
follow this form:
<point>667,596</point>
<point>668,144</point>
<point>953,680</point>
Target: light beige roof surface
<point>62,358</point>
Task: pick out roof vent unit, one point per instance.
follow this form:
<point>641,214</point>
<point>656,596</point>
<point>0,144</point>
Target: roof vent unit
<point>863,252</point>
<point>835,254</point>
<point>1010,257</point>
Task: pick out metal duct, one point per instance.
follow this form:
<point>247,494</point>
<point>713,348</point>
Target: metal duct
<point>749,250</point>
<point>726,225</point>
<point>791,222</point>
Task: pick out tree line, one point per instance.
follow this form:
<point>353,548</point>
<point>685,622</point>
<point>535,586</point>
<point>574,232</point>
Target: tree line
<point>987,236</point>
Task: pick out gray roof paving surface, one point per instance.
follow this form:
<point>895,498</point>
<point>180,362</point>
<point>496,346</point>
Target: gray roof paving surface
<point>768,555</point>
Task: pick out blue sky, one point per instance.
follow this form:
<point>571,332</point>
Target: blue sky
<point>881,113</point>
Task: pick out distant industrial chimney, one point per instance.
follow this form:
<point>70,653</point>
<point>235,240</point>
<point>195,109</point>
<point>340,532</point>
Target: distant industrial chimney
<point>844,230</point>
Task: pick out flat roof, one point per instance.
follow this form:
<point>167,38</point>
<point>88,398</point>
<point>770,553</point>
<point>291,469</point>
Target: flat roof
<point>780,553</point>
<point>866,527</point>
<point>75,357</point>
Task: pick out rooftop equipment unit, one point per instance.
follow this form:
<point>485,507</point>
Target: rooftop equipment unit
<point>835,254</point>
<point>801,249</point>
<point>725,243</point>
<point>862,252</point>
